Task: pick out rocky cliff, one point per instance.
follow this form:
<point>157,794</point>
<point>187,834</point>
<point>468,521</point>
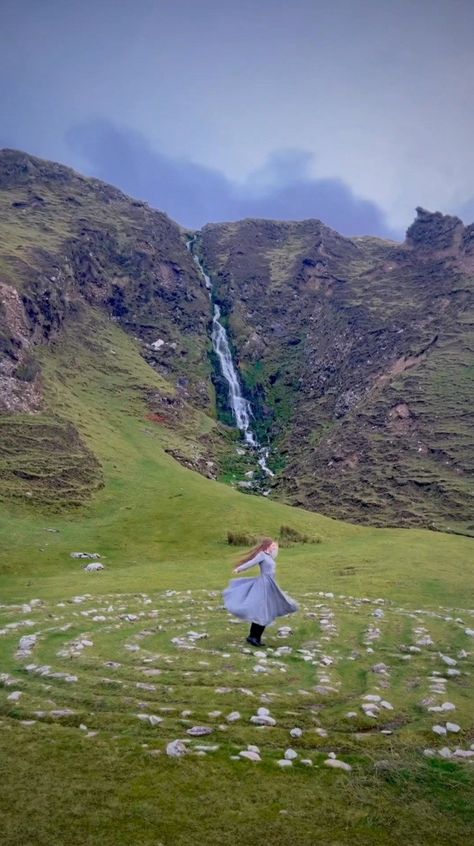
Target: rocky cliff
<point>358,354</point>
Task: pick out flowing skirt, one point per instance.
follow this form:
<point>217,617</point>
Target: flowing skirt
<point>258,600</point>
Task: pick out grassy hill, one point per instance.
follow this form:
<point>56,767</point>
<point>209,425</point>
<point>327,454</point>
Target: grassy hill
<point>101,774</point>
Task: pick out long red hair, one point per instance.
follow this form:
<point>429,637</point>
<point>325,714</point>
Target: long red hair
<point>261,547</point>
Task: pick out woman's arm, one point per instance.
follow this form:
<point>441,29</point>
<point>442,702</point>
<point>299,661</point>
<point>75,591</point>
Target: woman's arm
<point>256,560</point>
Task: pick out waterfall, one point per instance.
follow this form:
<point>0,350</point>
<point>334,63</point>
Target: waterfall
<point>241,408</point>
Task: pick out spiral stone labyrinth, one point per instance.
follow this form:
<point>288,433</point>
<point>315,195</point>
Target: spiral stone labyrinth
<point>343,681</point>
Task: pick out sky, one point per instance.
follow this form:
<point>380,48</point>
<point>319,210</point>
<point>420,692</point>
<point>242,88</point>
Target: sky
<point>350,111</point>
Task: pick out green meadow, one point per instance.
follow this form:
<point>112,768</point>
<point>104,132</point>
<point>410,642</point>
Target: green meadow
<point>83,763</point>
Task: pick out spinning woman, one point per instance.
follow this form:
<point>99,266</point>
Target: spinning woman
<point>259,599</point>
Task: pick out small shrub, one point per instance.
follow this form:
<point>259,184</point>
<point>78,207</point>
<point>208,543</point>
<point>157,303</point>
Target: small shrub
<point>28,370</point>
<point>241,539</point>
<point>288,536</point>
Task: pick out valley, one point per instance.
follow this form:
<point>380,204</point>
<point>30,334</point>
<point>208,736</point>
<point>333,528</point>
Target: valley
<point>131,708</point>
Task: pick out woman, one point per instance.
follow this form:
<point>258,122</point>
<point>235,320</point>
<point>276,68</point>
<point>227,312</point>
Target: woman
<point>259,599</point>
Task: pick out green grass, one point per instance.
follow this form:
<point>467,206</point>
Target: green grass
<point>162,528</point>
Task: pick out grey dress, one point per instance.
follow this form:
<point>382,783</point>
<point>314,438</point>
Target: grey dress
<point>259,599</point>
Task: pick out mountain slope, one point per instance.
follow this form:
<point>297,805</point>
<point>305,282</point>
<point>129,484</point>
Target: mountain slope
<point>359,357</point>
<point>357,353</point>
<point>66,240</point>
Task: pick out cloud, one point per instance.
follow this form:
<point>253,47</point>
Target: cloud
<point>193,194</point>
<point>466,211</point>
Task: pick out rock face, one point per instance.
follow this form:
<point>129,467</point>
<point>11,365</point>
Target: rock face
<point>361,375</point>
<point>71,240</point>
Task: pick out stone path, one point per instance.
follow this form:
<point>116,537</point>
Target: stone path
<point>350,681</point>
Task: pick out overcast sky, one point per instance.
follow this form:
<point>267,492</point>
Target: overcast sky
<point>353,111</point>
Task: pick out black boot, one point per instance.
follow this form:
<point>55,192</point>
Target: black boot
<point>255,634</point>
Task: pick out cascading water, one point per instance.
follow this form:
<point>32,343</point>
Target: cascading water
<point>241,408</point>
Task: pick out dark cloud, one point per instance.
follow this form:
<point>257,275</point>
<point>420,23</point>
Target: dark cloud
<point>194,195</point>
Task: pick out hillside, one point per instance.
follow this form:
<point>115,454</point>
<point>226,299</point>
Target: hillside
<point>80,259</point>
<point>358,355</point>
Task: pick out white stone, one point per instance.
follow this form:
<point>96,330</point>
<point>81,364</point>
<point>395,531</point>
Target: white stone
<point>284,762</point>
<point>341,765</point>
<point>176,749</point>
<point>439,730</point>
<point>263,721</point>
<point>380,668</point>
<point>152,719</point>
<point>296,732</point>
<point>451,662</point>
<point>469,632</point>
<point>249,755</point>
<point>448,706</point>
<point>199,731</point>
<point>263,712</point>
<point>372,697</point>
<point>15,696</point>
<point>252,748</point>
<point>307,762</point>
<point>233,717</point>
<point>84,555</point>
<point>386,705</point>
<point>290,754</point>
<point>453,727</point>
<point>445,752</point>
<point>94,567</point>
